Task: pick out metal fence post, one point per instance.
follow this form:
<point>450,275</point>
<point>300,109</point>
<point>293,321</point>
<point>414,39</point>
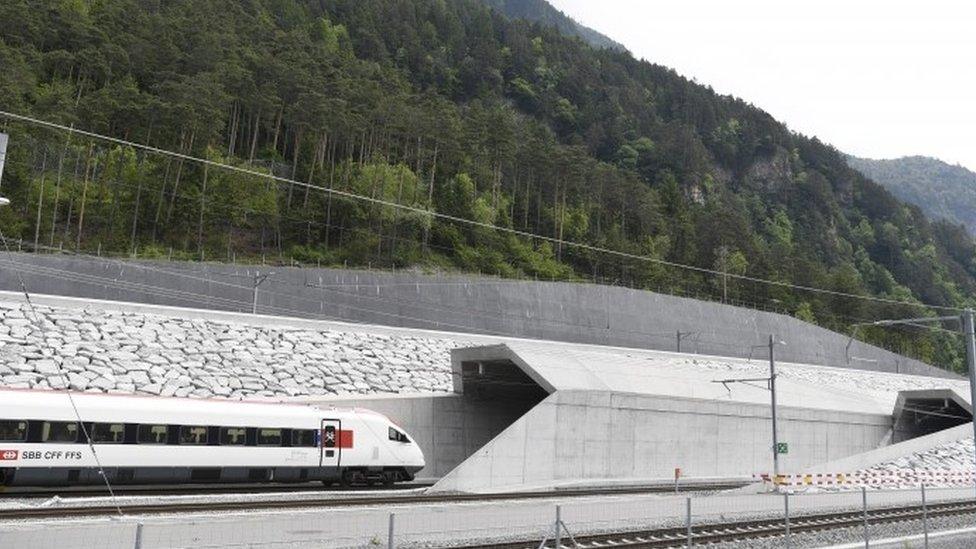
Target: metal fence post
<point>786,516</point>
<point>688,519</point>
<point>390,544</point>
<point>558,533</point>
<point>138,542</point>
<point>864,503</point>
<point>925,518</point>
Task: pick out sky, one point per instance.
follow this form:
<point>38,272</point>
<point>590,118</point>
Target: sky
<point>877,79</point>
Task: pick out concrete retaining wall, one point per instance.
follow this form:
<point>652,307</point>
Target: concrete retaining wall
<point>588,435</point>
<point>582,313</point>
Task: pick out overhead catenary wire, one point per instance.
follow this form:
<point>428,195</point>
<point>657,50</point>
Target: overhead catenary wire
<point>456,219</point>
<point>196,298</point>
<point>124,259</point>
<point>745,303</point>
<point>242,305</point>
<point>193,297</point>
<point>752,304</point>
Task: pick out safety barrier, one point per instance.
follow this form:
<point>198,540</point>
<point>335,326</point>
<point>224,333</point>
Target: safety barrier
<point>874,478</point>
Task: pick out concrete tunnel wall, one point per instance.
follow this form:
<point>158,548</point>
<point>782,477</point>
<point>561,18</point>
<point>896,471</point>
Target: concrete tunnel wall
<point>598,435</point>
<point>572,312</point>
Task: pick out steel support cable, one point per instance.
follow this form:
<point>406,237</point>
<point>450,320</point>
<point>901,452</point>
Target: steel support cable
<point>158,291</point>
<point>122,284</point>
<point>295,220</point>
<point>196,298</point>
<point>754,304</point>
<point>751,304</point>
<point>240,304</point>
<point>125,260</point>
<point>193,297</point>
<point>148,289</point>
<point>721,344</point>
<point>67,385</point>
<point>456,219</point>
<point>340,286</point>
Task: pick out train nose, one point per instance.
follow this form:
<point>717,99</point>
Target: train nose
<point>417,456</point>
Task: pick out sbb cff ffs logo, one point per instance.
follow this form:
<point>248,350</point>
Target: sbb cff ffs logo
<point>8,455</point>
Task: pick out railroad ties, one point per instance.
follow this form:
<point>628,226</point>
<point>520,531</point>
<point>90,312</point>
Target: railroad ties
<point>705,534</point>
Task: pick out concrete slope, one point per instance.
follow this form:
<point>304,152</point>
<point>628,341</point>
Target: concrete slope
<point>894,451</point>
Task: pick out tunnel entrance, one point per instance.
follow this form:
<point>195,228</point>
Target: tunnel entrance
<point>501,381</point>
<point>920,413</point>
<point>495,394</point>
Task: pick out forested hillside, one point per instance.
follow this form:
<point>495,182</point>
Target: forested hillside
<point>542,12</point>
<point>453,108</point>
<point>942,190</point>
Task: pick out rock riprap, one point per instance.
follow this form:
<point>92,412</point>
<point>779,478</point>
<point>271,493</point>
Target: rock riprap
<point>112,351</point>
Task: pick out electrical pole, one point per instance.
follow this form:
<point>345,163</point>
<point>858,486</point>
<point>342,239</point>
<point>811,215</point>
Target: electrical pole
<point>970,339</point>
<point>771,384</point>
<point>258,280</point>
<point>772,393</point>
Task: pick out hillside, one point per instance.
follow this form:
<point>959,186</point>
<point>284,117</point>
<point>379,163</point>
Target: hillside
<point>942,190</point>
<point>540,11</point>
<point>453,108</point>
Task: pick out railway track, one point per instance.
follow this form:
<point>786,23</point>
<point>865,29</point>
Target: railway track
<point>65,509</point>
<point>189,490</point>
<point>211,489</point>
<point>725,532</point>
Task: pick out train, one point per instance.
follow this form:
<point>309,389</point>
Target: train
<point>55,438</point>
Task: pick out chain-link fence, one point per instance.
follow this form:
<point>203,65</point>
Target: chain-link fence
<point>752,520</point>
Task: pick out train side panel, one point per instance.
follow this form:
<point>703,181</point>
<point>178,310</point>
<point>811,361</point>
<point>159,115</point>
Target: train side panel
<point>365,447</point>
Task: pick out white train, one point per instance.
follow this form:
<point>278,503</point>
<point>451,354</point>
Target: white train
<point>147,440</point>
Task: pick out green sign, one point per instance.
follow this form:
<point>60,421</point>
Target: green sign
<point>782,448</point>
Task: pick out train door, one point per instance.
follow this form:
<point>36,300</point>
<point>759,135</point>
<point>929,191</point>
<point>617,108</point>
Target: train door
<point>331,449</point>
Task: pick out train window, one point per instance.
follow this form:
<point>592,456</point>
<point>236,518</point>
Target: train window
<point>193,434</point>
<point>153,434</point>
<point>59,431</point>
<point>13,430</point>
<point>269,437</point>
<point>398,436</point>
<point>303,437</point>
<point>107,433</point>
<point>233,436</point>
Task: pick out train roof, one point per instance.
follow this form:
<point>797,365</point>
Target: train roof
<point>56,405</point>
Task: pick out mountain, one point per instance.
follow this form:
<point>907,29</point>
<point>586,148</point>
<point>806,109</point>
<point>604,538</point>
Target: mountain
<point>542,12</point>
<point>453,108</point>
<point>942,190</point>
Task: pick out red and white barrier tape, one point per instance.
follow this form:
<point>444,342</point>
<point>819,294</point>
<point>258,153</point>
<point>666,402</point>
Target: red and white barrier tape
<point>872,477</point>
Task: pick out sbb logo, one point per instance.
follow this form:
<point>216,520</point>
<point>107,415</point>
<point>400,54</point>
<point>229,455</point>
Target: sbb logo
<point>8,455</point>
